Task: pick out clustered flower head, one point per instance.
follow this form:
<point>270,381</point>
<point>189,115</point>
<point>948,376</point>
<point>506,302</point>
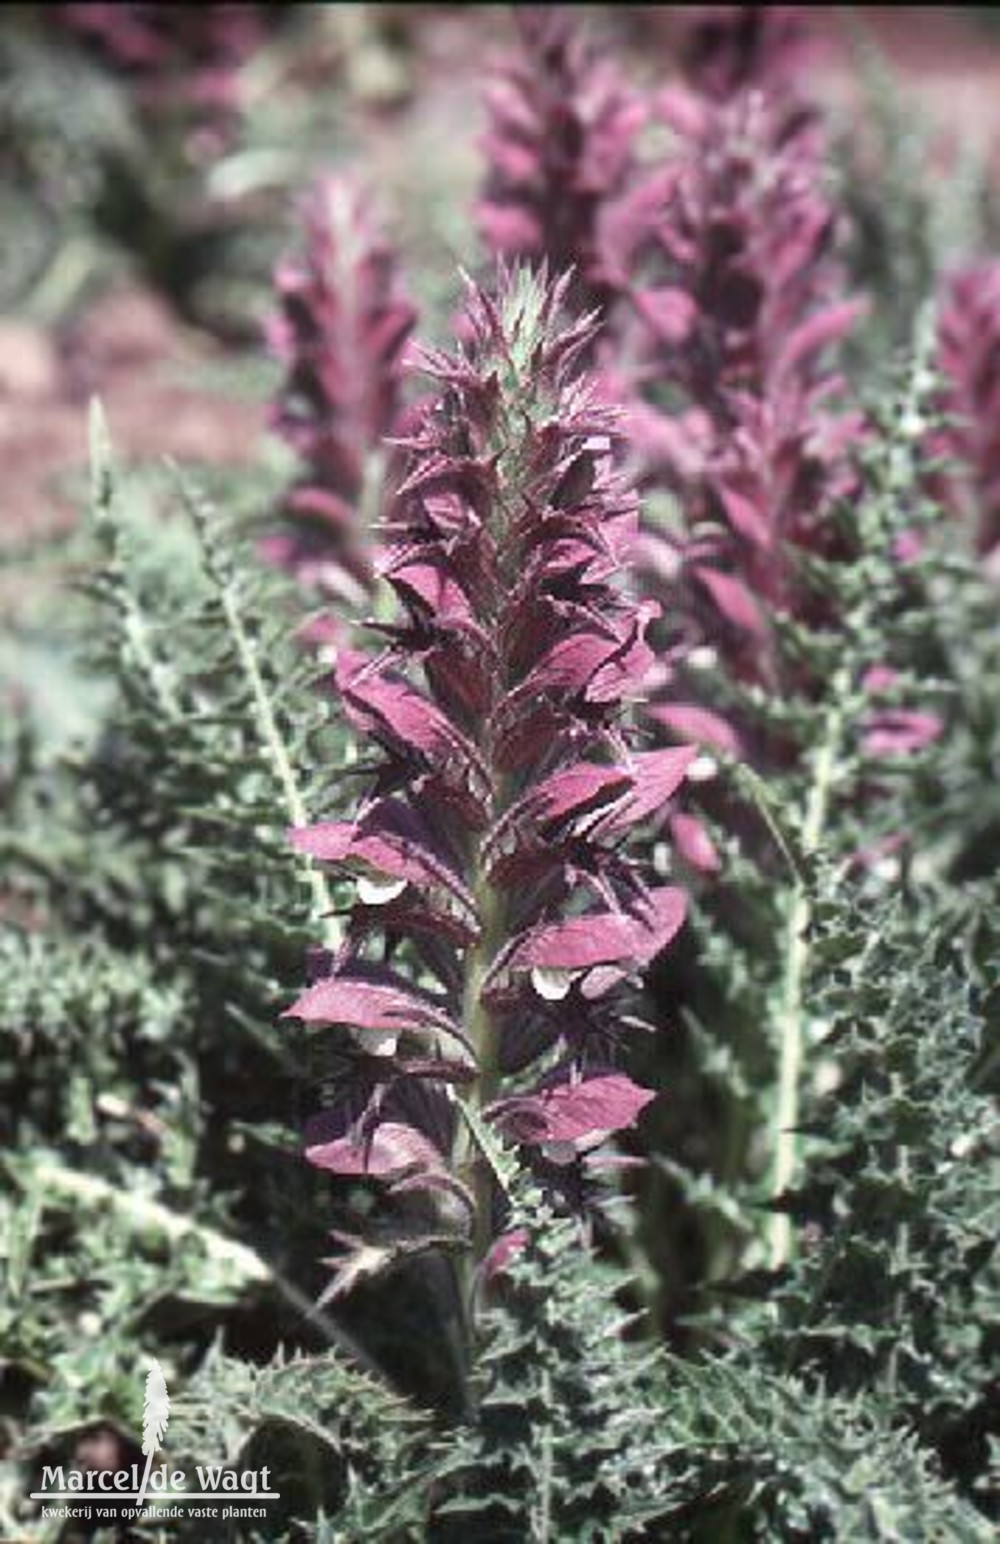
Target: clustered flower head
<point>969,360</point>
<point>495,913</point>
<point>560,151</point>
<point>340,333</point>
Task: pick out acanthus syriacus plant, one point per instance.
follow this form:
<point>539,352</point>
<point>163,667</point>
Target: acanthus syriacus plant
<point>340,334</point>
<point>969,360</point>
<point>561,156</point>
<point>495,913</point>
<point>763,655</point>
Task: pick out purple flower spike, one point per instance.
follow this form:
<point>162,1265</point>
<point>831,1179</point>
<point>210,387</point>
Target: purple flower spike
<point>494,911</point>
<point>341,334</point>
<point>560,153</point>
<point>742,313</point>
<point>969,359</point>
<point>741,419</point>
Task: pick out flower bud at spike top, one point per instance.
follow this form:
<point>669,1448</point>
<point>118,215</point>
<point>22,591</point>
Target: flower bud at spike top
<point>731,48</point>
<point>560,154</point>
<point>340,334</point>
<point>478,992</point>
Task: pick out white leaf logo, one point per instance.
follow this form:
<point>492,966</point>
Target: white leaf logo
<point>155,1415</point>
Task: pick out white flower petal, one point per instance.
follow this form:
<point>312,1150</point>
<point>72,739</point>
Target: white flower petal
<point>702,769</point>
<point>378,890</point>
<point>551,984</point>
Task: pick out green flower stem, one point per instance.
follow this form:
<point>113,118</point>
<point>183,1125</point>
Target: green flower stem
<point>902,1249</point>
<point>484,1038</point>
<point>791,1013</point>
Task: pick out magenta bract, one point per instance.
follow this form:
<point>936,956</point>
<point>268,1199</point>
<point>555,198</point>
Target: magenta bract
<point>571,1112</point>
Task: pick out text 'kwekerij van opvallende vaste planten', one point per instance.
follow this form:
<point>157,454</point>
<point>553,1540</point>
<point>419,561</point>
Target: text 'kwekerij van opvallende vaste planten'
<point>498,912</point>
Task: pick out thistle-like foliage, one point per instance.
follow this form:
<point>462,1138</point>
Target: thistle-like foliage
<point>899,1285</point>
<point>568,1438</point>
<point>494,914</point>
<point>579,1434</point>
<point>212,704</point>
<point>128,1052</point>
<point>340,335</point>
<point>560,148</point>
<point>969,359</point>
<point>757,1456</point>
<point>339,1444</point>
<point>846,733</point>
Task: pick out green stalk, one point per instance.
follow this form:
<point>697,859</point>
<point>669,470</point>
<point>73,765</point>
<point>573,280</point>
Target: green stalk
<point>474,1161</point>
<point>791,1012</point>
<point>902,1250</point>
<point>543,1531</point>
